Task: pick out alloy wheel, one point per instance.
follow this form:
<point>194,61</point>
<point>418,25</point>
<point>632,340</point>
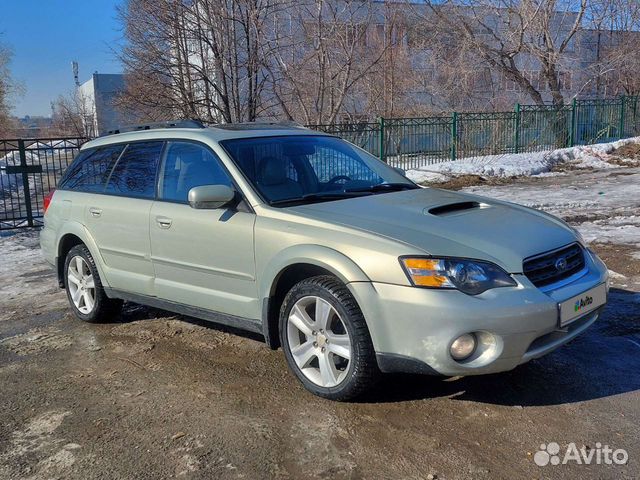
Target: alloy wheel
<point>319,341</point>
<point>81,285</point>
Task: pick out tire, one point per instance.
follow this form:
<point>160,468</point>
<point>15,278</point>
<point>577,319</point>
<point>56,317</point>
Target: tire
<point>315,345</point>
<point>81,280</point>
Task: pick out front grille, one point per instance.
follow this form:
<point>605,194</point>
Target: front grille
<point>555,266</point>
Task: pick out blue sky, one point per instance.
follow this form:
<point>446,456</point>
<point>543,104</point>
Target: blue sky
<point>46,35</point>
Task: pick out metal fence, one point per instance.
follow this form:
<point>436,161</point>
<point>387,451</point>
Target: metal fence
<point>416,142</point>
<point>29,169</point>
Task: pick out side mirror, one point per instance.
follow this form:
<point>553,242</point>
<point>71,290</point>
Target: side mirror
<point>400,171</point>
<point>211,196</point>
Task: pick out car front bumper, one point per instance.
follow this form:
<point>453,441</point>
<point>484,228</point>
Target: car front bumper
<point>412,328</point>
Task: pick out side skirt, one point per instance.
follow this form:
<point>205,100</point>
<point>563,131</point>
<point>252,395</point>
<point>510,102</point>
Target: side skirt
<point>216,317</point>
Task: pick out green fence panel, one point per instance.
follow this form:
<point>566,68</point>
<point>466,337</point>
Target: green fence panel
<point>545,127</point>
<point>481,134</point>
<point>416,142</point>
<point>597,121</point>
<point>631,117</point>
<point>366,135</point>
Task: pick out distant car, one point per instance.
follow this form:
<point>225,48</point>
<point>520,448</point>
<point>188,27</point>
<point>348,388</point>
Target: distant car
<point>319,246</point>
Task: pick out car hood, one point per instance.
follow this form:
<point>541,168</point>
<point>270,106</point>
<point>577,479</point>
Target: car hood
<point>444,223</point>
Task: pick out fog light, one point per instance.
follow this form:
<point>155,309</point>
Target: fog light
<point>463,346</point>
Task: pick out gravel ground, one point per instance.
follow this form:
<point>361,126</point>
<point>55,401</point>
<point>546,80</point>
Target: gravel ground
<point>153,395</point>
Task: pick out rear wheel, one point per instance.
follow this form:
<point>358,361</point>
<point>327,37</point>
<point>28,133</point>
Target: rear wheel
<point>84,288</point>
<point>325,339</point>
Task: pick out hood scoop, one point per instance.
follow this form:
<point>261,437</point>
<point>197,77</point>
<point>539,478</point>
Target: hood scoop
<point>451,208</point>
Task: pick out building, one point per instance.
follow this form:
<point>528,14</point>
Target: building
<point>335,61</point>
<point>97,103</point>
<point>32,126</point>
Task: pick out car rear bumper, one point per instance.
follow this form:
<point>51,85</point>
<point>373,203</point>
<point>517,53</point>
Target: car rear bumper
<point>412,328</point>
<point>47,245</point>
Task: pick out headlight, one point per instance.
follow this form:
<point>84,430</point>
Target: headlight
<point>469,276</point>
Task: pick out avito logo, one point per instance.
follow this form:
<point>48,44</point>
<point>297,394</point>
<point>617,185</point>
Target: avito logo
<point>583,302</point>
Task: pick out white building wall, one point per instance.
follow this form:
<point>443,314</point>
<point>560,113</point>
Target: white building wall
<point>97,103</point>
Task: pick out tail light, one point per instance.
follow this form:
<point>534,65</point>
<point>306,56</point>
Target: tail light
<point>47,200</point>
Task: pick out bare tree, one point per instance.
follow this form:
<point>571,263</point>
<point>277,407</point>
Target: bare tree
<point>320,51</point>
<point>528,42</point>
<point>8,88</point>
<point>390,86</point>
<point>325,61</point>
<point>612,38</point>
<point>73,114</point>
<point>199,59</point>
<point>448,73</point>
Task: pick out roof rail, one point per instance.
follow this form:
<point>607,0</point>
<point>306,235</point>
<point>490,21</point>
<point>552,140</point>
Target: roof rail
<point>257,125</point>
<point>188,123</point>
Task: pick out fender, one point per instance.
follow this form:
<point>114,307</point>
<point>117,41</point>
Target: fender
<point>80,231</point>
<point>337,263</point>
<point>331,260</point>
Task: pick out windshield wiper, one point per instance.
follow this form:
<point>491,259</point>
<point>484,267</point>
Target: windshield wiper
<point>385,187</point>
<point>314,197</point>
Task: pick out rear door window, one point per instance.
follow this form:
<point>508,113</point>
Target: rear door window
<point>91,168</point>
<point>135,173</point>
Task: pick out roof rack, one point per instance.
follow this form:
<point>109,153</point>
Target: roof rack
<point>258,125</point>
<point>148,126</point>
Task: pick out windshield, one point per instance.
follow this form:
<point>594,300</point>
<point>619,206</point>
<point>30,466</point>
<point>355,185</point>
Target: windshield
<point>294,169</point>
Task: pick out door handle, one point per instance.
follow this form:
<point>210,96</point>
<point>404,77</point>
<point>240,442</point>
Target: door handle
<point>95,212</point>
<point>163,222</point>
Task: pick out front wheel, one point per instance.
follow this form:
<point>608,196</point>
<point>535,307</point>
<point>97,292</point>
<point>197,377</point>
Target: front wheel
<point>84,289</point>
<point>325,339</point>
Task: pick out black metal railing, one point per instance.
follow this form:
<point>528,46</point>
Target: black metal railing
<point>29,169</point>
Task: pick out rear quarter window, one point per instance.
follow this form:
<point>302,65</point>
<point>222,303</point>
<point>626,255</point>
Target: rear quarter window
<point>91,168</point>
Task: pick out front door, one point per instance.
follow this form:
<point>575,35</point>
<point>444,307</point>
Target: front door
<point>201,258</point>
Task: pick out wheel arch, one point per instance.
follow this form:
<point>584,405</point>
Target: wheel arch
<point>76,234</point>
<point>293,265</point>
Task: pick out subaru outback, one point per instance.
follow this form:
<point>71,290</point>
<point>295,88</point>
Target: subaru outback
<point>319,246</point>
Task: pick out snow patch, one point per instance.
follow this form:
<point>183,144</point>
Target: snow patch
<point>612,230</point>
<point>522,164</point>
<point>617,275</point>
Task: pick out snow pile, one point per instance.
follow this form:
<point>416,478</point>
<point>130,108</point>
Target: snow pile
<point>58,146</point>
<point>603,206</point>
<point>521,164</point>
<point>619,229</point>
<point>53,155</point>
<point>12,182</point>
<point>13,158</point>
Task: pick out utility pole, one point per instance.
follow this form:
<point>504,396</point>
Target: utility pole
<point>74,68</point>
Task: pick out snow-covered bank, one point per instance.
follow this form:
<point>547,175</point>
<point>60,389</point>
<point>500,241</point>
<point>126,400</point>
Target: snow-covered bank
<point>612,230</point>
<point>604,205</point>
<point>521,164</point>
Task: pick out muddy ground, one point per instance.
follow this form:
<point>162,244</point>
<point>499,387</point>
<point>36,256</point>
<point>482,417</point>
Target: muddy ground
<point>153,395</point>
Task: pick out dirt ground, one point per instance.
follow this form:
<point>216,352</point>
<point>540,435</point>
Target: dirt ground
<point>153,395</point>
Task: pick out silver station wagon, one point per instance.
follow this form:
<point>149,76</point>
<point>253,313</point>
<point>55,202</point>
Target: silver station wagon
<point>326,251</point>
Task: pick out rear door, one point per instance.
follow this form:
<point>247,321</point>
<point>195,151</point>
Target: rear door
<point>201,258</point>
<point>118,219</point>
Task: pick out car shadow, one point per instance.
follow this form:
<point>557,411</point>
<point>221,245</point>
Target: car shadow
<point>603,361</point>
<point>132,312</point>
